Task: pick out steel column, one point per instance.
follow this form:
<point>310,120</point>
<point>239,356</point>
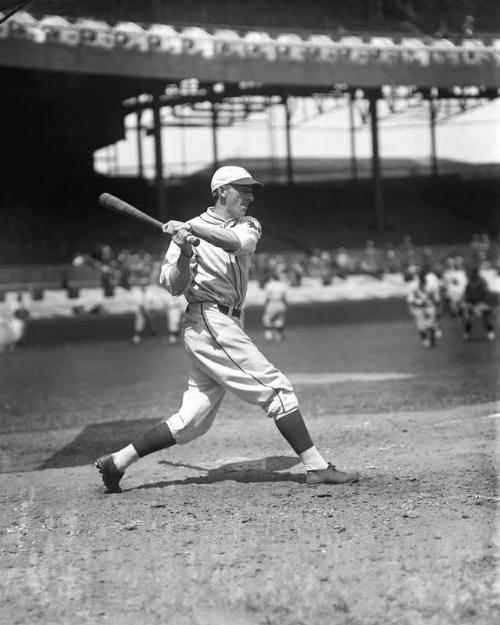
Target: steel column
<point>376,175</point>
<point>289,163</point>
<point>161,195</point>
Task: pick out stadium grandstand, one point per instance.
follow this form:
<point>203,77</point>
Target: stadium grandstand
<point>78,73</point>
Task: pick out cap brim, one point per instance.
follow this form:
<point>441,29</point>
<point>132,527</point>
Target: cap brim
<point>250,181</point>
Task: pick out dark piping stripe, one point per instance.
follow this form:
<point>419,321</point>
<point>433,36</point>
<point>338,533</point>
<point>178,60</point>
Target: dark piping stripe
<point>240,303</point>
<point>276,391</point>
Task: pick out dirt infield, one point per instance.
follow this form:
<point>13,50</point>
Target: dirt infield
<point>223,531</point>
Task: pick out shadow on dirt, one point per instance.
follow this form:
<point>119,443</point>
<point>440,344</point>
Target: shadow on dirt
<point>96,440</point>
<point>257,470</point>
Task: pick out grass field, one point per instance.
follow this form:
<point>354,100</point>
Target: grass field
<point>223,531</point>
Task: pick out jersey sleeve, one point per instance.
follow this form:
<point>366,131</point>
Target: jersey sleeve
<point>169,261</point>
<point>248,233</point>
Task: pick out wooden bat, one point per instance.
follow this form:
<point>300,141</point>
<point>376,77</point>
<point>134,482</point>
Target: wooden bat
<point>124,208</point>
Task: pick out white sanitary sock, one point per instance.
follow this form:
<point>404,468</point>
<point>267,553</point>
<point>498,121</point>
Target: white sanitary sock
<point>313,460</point>
<point>125,457</point>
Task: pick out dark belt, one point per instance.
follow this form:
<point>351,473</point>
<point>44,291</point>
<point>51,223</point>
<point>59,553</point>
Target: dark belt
<point>236,312</point>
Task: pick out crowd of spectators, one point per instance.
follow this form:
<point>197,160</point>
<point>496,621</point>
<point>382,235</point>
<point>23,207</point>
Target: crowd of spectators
<point>123,268</point>
<point>126,268</point>
<point>405,258</point>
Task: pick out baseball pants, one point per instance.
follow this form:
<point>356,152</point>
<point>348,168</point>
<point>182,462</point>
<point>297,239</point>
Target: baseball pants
<point>224,358</point>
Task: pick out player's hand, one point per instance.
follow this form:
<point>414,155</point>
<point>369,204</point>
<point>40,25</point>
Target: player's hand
<point>181,238</point>
<point>172,227</point>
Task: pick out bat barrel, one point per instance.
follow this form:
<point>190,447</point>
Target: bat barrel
<point>118,205</point>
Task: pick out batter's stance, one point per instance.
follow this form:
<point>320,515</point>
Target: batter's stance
<point>213,277</point>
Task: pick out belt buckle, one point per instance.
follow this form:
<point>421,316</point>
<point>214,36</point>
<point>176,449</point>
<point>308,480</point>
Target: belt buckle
<point>230,310</point>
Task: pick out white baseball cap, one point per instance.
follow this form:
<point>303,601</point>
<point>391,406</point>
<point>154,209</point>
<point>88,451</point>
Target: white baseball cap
<point>232,173</point>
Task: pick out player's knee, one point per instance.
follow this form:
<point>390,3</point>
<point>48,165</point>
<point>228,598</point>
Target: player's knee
<point>282,403</point>
<point>193,419</point>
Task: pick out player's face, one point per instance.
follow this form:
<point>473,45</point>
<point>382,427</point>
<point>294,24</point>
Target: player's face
<point>238,199</point>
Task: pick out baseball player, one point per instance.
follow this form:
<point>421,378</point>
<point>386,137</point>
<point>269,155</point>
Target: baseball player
<point>422,305</point>
<point>143,315</point>
<point>478,303</point>
<point>275,308</point>
<point>453,283</point>
<point>213,277</point>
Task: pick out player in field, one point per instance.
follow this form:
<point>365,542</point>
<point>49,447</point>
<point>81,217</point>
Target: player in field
<point>275,307</point>
<point>478,305</point>
<point>423,306</point>
<point>213,277</point>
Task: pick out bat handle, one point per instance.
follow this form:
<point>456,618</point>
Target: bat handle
<point>193,240</point>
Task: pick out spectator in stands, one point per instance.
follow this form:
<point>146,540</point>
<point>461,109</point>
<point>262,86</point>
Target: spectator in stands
<point>325,267</point>
<point>475,244</point>
<point>391,262</point>
<point>485,244</point>
<point>468,27</point>
<point>343,263</point>
<point>259,269</point>
<point>442,31</point>
<point>409,264</point>
<point>369,261</point>
<point>124,270</point>
<point>107,265</point>
<point>296,272</point>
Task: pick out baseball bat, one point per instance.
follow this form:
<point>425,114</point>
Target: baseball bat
<point>124,208</point>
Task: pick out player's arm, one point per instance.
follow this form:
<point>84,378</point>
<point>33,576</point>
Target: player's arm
<point>215,235</point>
<point>176,271</point>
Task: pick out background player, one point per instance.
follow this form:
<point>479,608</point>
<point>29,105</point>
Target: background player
<point>275,307</point>
<point>144,321</point>
<point>453,283</point>
<point>214,278</point>
<point>478,303</point>
<point>422,305</point>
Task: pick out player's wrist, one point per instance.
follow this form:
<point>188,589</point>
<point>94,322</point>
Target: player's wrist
<point>186,254</point>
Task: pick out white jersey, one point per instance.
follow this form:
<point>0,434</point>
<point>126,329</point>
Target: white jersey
<point>454,282</point>
<point>275,290</point>
<point>433,285</point>
<point>216,275</point>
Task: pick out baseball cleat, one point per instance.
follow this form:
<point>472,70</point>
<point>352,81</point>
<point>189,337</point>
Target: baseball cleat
<point>331,475</point>
<point>109,473</point>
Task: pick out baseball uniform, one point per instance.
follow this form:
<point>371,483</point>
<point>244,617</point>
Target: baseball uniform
<point>223,356</point>
<point>275,309</point>
<point>212,274</point>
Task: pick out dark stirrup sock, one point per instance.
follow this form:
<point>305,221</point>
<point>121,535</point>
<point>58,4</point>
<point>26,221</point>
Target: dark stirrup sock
<point>159,437</point>
<point>294,430</point>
